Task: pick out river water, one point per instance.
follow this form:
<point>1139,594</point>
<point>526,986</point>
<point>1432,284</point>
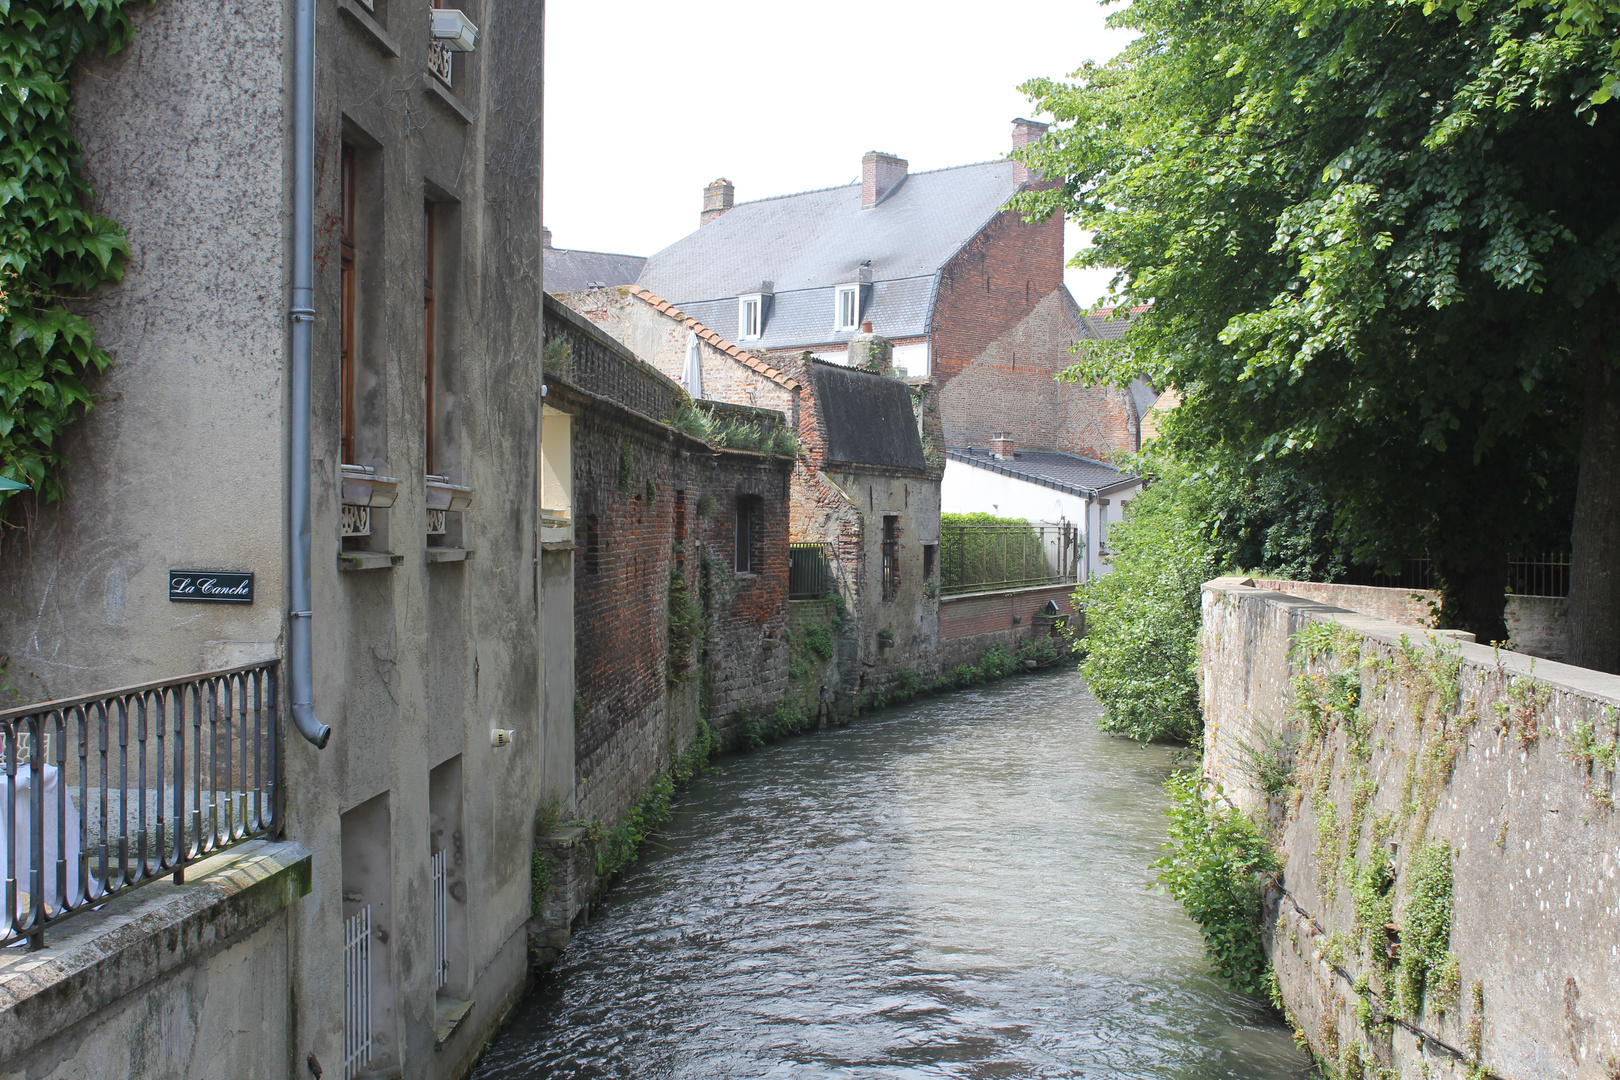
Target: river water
<point>955,888</point>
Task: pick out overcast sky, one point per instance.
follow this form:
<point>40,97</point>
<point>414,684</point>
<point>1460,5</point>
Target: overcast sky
<point>646,102</point>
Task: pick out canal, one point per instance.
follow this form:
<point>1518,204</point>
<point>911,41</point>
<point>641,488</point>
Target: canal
<point>954,888</point>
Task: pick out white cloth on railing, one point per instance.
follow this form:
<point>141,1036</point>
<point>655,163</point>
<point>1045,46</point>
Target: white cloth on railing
<point>21,822</point>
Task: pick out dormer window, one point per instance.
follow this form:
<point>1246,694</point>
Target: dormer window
<point>847,307</point>
<point>750,316</point>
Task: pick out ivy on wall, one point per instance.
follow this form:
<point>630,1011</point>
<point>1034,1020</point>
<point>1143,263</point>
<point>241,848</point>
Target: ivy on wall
<point>51,246</point>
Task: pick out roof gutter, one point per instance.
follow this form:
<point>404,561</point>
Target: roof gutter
<point>300,662</point>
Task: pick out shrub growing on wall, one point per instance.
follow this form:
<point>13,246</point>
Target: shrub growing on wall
<point>51,246</point>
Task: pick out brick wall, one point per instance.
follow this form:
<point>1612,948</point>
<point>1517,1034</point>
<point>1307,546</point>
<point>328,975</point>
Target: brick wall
<point>970,625</point>
<point>1009,386</point>
<point>991,285</point>
<point>631,715</point>
<point>599,364</point>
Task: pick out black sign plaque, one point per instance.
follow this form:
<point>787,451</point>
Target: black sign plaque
<point>210,587</point>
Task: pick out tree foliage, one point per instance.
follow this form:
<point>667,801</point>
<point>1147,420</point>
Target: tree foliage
<point>51,246</point>
<point>1142,616</point>
<point>1379,244</point>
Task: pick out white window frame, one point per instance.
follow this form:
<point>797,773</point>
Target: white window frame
<point>750,330</point>
<point>854,293</point>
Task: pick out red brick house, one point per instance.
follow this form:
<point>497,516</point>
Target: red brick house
<point>971,296</point>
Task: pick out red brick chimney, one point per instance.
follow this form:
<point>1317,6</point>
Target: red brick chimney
<point>1024,133</point>
<point>880,174</point>
<point>717,199</point>
<point>1001,447</point>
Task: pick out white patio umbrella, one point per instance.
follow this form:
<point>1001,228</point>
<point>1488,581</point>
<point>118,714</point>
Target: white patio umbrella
<point>692,376</point>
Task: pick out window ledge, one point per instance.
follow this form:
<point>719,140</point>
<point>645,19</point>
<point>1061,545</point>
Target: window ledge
<point>433,88</point>
<point>746,574</point>
<point>93,960</point>
<point>379,36</point>
<point>449,554</point>
<point>368,560</point>
<point>558,545</point>
<point>448,1012</point>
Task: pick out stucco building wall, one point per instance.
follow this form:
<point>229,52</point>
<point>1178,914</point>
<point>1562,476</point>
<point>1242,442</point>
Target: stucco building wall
<point>186,137</point>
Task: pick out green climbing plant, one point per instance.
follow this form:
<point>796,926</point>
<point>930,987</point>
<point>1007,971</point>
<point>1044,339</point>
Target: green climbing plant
<point>52,247</point>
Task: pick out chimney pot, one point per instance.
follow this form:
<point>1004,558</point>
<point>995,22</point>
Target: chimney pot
<point>1001,447</point>
<point>880,174</point>
<point>866,326</point>
<point>717,199</point>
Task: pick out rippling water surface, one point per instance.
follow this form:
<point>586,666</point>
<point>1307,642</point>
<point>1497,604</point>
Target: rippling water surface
<point>950,889</point>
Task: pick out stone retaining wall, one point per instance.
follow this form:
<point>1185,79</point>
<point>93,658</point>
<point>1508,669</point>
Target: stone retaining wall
<point>1397,741</point>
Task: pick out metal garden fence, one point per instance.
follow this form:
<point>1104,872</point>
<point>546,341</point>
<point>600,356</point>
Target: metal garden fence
<point>1544,576</point>
<point>980,558</point>
<point>108,791</point>
<point>809,573</point>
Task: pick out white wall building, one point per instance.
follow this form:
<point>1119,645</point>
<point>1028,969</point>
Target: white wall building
<point>1040,486</point>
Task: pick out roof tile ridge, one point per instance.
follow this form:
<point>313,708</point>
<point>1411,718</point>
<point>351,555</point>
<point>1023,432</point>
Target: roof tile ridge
<point>736,352</point>
<point>584,251</point>
<point>857,183</point>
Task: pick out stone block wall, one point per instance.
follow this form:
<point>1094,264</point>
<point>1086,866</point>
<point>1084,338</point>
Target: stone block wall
<point>1407,749</point>
<point>1536,625</point>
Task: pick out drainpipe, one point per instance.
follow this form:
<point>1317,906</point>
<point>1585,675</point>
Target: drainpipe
<point>1091,497</point>
<point>300,664</point>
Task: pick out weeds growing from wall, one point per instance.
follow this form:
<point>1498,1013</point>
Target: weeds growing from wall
<point>686,626</point>
<point>731,433</point>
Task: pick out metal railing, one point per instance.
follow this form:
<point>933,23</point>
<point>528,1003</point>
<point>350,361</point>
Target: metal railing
<point>981,558</point>
<point>108,791</point>
<point>441,916</point>
<point>1546,576</point>
<point>1413,574</point>
<point>357,1040</point>
<point>809,571</point>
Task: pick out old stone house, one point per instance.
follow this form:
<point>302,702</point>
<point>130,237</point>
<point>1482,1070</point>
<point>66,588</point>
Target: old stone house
<point>865,490</point>
<point>322,420</point>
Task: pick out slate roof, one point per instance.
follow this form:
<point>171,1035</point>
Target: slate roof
<point>807,243</point>
<point>1049,468</point>
<point>573,271</point>
<point>868,417</point>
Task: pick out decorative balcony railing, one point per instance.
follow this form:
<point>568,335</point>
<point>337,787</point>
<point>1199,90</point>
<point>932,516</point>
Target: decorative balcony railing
<point>108,791</point>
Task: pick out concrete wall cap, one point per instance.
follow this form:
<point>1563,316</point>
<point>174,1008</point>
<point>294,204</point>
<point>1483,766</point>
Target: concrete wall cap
<point>93,959</point>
